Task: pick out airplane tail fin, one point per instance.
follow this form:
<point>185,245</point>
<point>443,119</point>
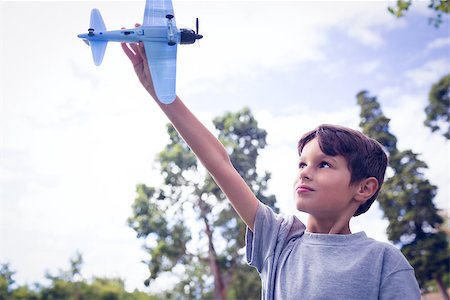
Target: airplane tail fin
<point>98,48</point>
<point>97,21</point>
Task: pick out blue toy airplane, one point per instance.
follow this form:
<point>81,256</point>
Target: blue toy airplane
<point>160,36</point>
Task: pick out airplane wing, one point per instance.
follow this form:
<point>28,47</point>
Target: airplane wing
<point>156,11</point>
<point>162,62</point>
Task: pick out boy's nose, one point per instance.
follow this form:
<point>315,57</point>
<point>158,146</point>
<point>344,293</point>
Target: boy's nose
<point>305,174</point>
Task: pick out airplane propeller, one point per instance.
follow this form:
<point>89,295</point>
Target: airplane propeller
<point>189,36</point>
<point>196,26</point>
<point>197,36</point>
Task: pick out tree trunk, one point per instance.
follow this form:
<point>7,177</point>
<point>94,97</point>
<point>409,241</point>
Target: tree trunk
<point>219,287</point>
<point>442,288</point>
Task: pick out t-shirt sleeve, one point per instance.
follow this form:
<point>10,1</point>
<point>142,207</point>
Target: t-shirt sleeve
<point>266,235</point>
<point>400,285</point>
<point>399,281</point>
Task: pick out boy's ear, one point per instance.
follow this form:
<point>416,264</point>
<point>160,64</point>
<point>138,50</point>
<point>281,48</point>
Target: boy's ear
<point>366,189</point>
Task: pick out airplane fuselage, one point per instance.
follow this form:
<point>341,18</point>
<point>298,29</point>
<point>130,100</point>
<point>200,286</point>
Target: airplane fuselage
<point>134,35</point>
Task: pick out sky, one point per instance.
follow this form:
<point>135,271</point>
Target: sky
<point>76,139</point>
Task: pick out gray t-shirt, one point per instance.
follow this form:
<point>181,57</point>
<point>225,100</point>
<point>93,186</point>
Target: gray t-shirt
<point>294,264</point>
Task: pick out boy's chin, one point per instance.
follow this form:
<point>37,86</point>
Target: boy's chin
<point>301,207</point>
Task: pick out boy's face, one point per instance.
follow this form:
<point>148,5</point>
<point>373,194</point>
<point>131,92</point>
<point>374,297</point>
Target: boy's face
<point>322,187</point>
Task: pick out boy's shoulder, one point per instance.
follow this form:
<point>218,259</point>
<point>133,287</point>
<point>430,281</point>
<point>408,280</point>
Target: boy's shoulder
<point>393,258</point>
<point>388,249</point>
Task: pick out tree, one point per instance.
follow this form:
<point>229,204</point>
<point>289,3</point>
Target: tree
<point>8,291</point>
<point>438,109</point>
<point>68,285</point>
<point>438,6</point>
<point>67,282</point>
<point>407,201</point>
<point>209,253</point>
<point>6,280</point>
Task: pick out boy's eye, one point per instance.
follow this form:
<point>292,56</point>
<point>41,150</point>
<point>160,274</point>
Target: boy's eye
<point>324,164</point>
<point>301,165</point>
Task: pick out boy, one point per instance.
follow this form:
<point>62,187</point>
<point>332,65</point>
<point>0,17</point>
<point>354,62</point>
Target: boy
<point>340,174</point>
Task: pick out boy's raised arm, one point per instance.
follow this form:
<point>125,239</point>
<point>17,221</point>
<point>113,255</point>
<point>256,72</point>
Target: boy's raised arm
<point>203,143</point>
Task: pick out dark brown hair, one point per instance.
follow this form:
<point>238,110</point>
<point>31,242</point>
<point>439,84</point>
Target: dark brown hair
<point>365,156</point>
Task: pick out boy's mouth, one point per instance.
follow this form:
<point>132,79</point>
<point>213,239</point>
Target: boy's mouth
<point>304,189</point>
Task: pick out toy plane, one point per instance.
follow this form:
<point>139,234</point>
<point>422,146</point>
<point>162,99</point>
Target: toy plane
<point>160,36</point>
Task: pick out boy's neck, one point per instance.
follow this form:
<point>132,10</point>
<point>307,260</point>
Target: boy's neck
<point>315,225</point>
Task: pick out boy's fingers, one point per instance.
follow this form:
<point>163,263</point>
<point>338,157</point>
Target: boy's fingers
<point>134,51</point>
<point>140,48</point>
<point>127,51</point>
<point>134,46</point>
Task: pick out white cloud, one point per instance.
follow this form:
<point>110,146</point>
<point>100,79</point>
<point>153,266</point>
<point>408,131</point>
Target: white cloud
<point>369,67</point>
<point>391,93</point>
<point>247,37</point>
<point>366,36</point>
<point>438,43</point>
<point>367,22</point>
<point>428,73</point>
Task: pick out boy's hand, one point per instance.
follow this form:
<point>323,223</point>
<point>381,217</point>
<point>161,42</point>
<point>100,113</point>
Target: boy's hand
<point>137,56</point>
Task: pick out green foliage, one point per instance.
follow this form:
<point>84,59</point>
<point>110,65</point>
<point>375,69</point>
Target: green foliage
<point>407,200</point>
<point>160,215</point>
<point>438,108</point>
<point>400,9</point>
<point>25,293</point>
<point>97,289</point>
<point>6,280</point>
<point>240,135</point>
<point>372,120</point>
<point>69,285</point>
<point>169,234</point>
<point>244,286</point>
<point>196,283</point>
<point>110,289</point>
<point>438,6</point>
